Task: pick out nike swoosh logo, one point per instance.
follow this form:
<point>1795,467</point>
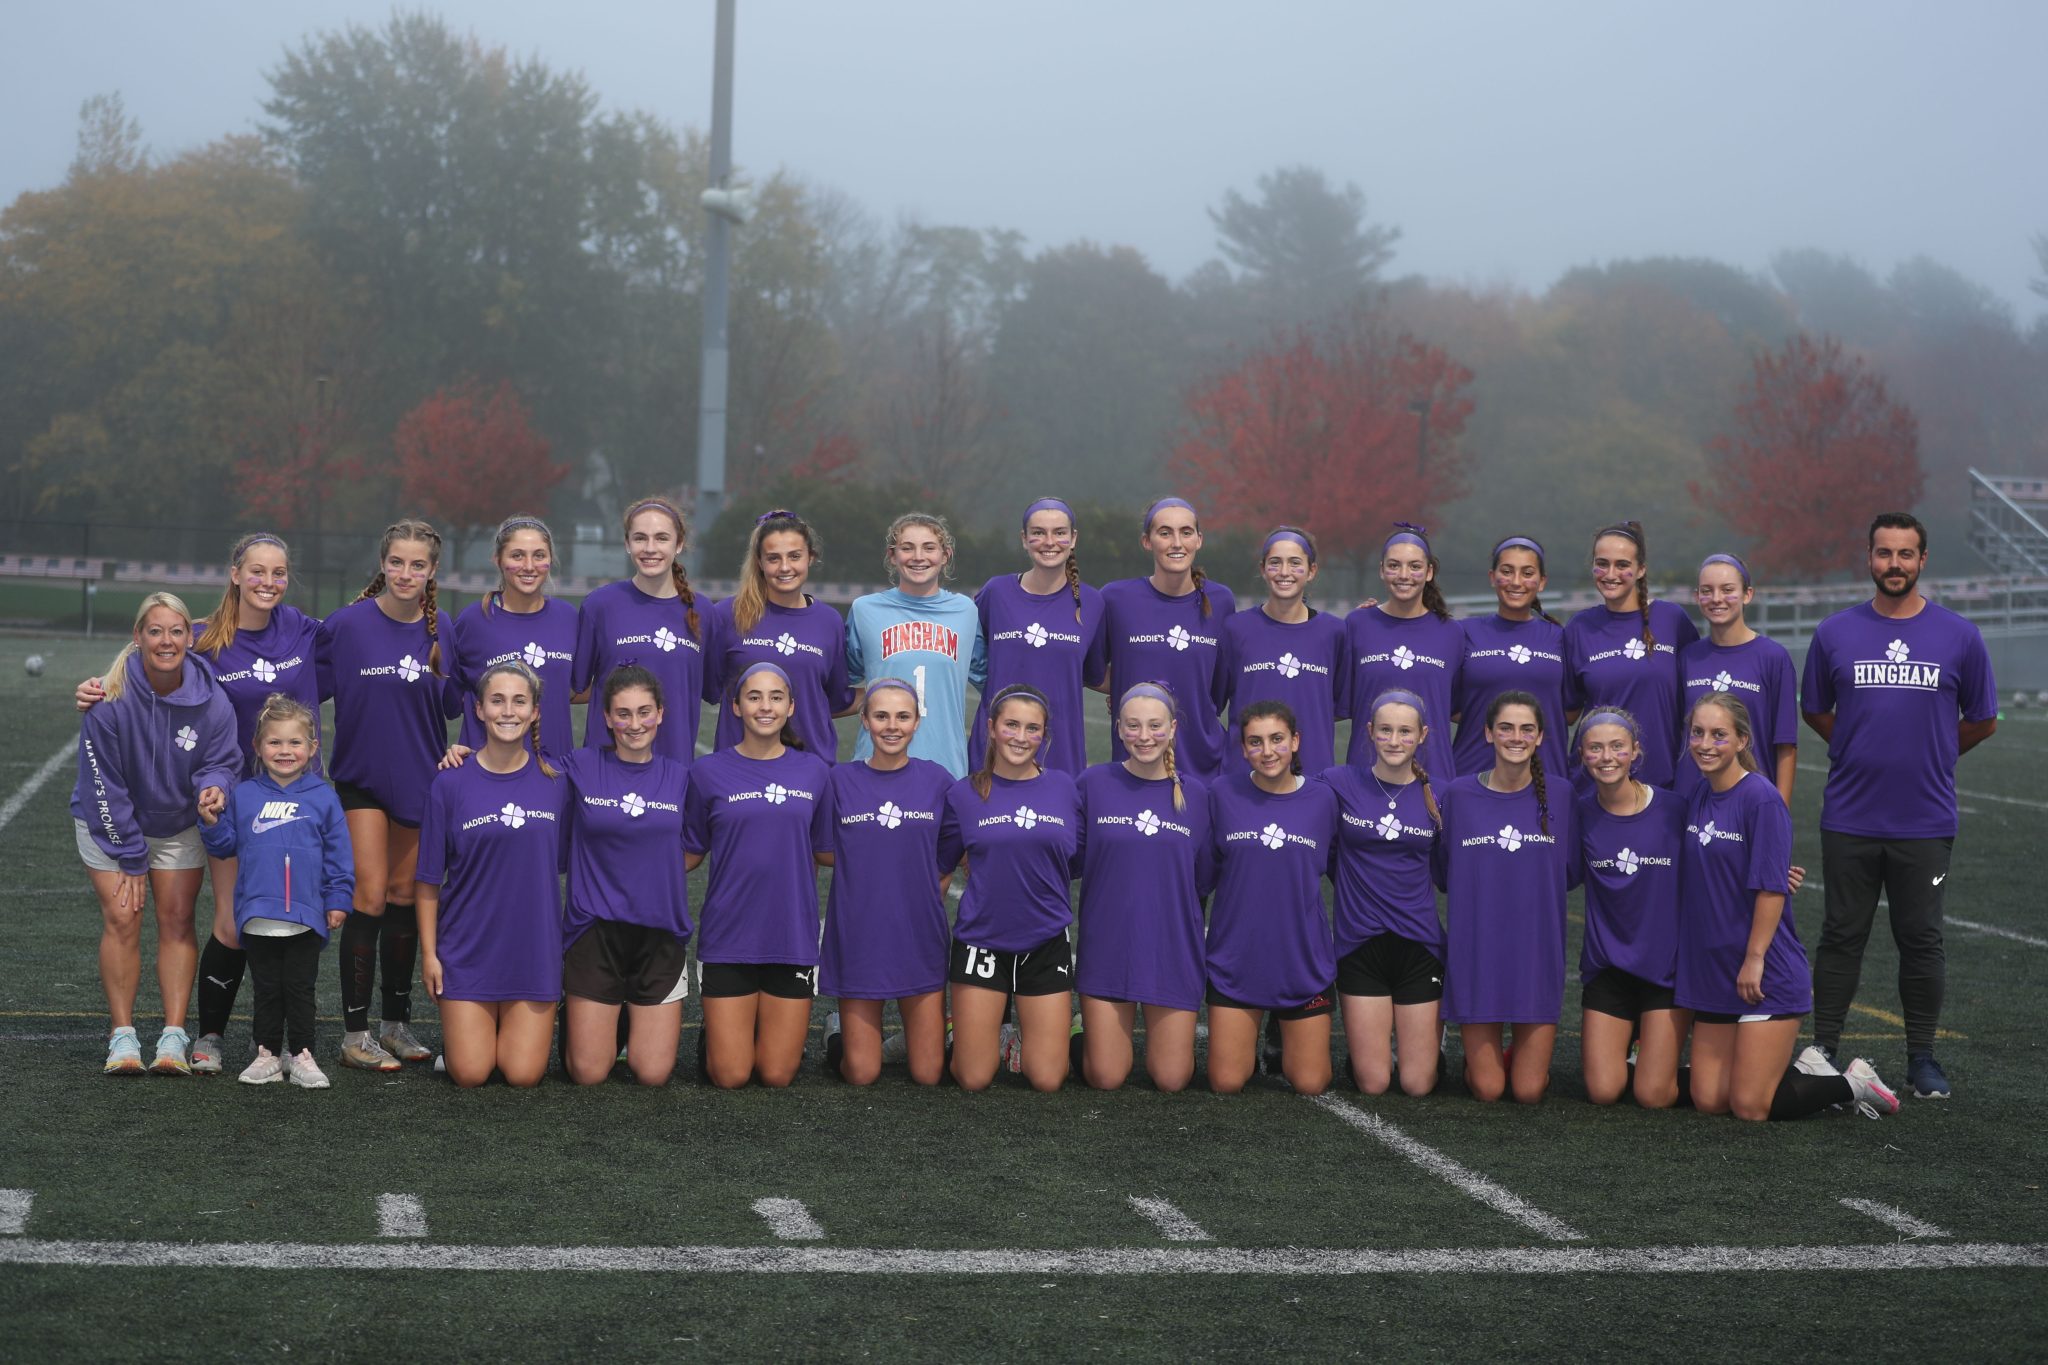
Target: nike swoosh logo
<point>1937,880</point>
<point>265,826</point>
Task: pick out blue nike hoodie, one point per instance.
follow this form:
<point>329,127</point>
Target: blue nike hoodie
<point>290,843</point>
<point>144,759</point>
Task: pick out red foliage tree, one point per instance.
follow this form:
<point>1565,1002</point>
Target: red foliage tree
<point>1339,434</point>
<point>1818,449</point>
<point>465,456</point>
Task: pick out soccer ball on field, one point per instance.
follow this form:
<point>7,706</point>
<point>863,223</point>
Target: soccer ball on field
<point>34,665</point>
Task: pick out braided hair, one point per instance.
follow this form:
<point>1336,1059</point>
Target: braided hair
<point>508,528</point>
<point>526,675</point>
<point>1413,703</point>
<point>1519,698</point>
<point>410,528</point>
<point>676,572</point>
<point>1195,574</point>
<point>1633,531</point>
<point>1162,694</point>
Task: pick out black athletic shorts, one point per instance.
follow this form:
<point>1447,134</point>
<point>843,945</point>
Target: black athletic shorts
<point>615,963</point>
<point>1387,964</point>
<point>783,980</point>
<point>1703,1017</point>
<point>1323,1002</point>
<point>1047,969</point>
<point>360,798</point>
<point>1625,995</point>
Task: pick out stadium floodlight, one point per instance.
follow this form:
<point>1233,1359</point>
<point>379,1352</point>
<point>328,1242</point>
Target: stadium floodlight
<point>735,205</point>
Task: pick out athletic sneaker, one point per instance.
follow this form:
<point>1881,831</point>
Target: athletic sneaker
<point>1925,1078</point>
<point>170,1052</point>
<point>895,1048</point>
<point>1815,1060</point>
<point>1010,1048</point>
<point>267,1067</point>
<point>397,1039</point>
<point>1873,1096</point>
<point>206,1055</point>
<point>1270,1054</point>
<point>124,1054</point>
<point>361,1051</point>
<point>835,1047</point>
<point>441,1063</point>
<point>306,1073</point>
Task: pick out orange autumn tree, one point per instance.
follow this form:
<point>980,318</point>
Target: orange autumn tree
<point>1327,432</point>
<point>1819,448</point>
<point>469,458</point>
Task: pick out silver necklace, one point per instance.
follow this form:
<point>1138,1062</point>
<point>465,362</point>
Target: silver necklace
<point>1393,800</point>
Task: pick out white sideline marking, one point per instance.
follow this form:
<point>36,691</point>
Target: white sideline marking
<point>401,1215</point>
<point>14,1206</point>
<point>789,1220</point>
<point>2027,939</point>
<point>1897,1219</point>
<point>788,1260</point>
<point>35,782</point>
<point>1173,1225</point>
<point>1437,1164</point>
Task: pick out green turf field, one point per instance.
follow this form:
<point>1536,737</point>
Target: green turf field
<point>196,1219</point>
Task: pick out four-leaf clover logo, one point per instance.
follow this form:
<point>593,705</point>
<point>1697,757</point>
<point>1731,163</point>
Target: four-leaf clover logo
<point>776,793</point>
<point>187,738</point>
<point>633,805</point>
<point>264,670</point>
<point>889,816</point>
<point>785,643</point>
<point>1025,817</point>
<point>409,668</point>
<point>1896,651</point>
<point>1147,823</point>
<point>511,816</point>
<point>533,654</point>
<point>1707,834</point>
<point>1290,667</point>
<point>1272,836</point>
<point>1634,648</point>
<point>1723,680</point>
<point>1520,653</point>
<point>1404,657</point>
<point>1509,838</point>
<point>1035,636</point>
<point>666,640</point>
<point>1389,826</point>
<point>1179,638</point>
<point>1627,860</point>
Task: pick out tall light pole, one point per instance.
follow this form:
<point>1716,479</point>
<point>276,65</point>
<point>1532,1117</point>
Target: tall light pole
<point>717,280</point>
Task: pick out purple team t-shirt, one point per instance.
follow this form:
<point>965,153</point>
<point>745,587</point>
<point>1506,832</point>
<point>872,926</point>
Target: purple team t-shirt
<point>1632,867</point>
<point>808,643</point>
<point>619,624</point>
<point>1269,937</point>
<point>1897,688</point>
<point>1156,638</point>
<point>1039,641</point>
<point>281,657</point>
<point>885,922</point>
<point>1301,663</point>
<point>1611,666</point>
<point>1021,843</point>
<point>1738,843</point>
<point>626,842</point>
<point>1145,868</point>
<point>493,843</point>
<point>1422,655</point>
<point>391,711</point>
<point>1511,656</point>
<point>759,820</point>
<point>1385,837</point>
<point>1759,675</point>
<point>544,640</point>
<point>1504,881</point>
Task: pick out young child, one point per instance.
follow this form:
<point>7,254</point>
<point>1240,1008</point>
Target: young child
<point>286,827</point>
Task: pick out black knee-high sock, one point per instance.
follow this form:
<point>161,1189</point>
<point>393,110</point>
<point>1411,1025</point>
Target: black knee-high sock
<point>625,1028</point>
<point>1800,1094</point>
<point>1076,1050</point>
<point>220,980</point>
<point>1684,1088</point>
<point>835,1053</point>
<point>358,970</point>
<point>397,956</point>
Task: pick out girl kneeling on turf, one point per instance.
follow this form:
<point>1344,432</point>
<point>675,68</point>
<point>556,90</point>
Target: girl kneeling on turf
<point>1390,944</point>
<point>885,917</point>
<point>1630,838</point>
<point>1274,834</point>
<point>1741,967</point>
<point>1019,827</point>
<point>284,911</point>
<point>1505,858</point>
<point>489,897</point>
<point>757,810</point>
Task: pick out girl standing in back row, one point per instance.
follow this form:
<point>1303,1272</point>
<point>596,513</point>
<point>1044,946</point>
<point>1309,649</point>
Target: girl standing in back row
<point>922,632</point>
<point>1286,650</point>
<point>1519,648</point>
<point>650,620</point>
<point>1735,659</point>
<point>1624,652</point>
<point>1043,628</point>
<point>1168,628</point>
<point>520,623</point>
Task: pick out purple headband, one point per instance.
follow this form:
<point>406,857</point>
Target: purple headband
<point>1047,505</point>
<point>773,513</point>
<point>653,505</point>
<point>762,667</point>
<point>1396,696</point>
<point>1163,503</point>
<point>1409,533</point>
<point>1518,543</point>
<point>1739,566</point>
<point>884,684</point>
<point>1609,716</point>
<point>1293,533</point>
<point>1152,690</point>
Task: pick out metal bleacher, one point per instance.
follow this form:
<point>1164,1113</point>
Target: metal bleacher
<point>2007,513</point>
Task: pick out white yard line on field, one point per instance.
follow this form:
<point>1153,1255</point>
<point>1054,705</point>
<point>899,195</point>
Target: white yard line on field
<point>401,1215</point>
<point>14,1207</point>
<point>35,782</point>
<point>789,1220</point>
<point>1975,926</point>
<point>1897,1219</point>
<point>1173,1225</point>
<point>1494,1196</point>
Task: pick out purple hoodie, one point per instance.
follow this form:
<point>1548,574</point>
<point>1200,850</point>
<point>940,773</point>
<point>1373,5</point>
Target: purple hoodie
<point>144,759</point>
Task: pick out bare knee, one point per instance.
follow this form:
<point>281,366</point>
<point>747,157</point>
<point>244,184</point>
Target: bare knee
<point>1107,1075</point>
<point>523,1077</point>
<point>1749,1111</point>
<point>1605,1091</point>
<point>1531,1092</point>
<point>863,1072</point>
<point>584,1074</point>
<point>1171,1077</point>
<point>468,1078</point>
<point>927,1073</point>
<point>778,1076</point>
<point>1486,1089</point>
<point>1656,1096</point>
<point>973,1077</point>
<point>1307,1078</point>
<point>1046,1079</point>
<point>1372,1080</point>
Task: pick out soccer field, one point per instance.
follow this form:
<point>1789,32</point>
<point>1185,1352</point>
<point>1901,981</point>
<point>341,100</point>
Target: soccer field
<point>396,1216</point>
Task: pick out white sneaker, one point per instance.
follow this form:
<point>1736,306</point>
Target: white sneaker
<point>1814,1062</point>
<point>306,1073</point>
<point>1873,1096</point>
<point>397,1040</point>
<point>266,1068</point>
<point>896,1048</point>
<point>170,1053</point>
<point>1010,1048</point>
<point>206,1055</point>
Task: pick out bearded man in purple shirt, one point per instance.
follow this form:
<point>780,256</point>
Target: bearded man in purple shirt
<point>1900,688</point>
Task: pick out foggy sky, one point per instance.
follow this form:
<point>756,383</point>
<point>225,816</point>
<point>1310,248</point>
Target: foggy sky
<point>1508,141</point>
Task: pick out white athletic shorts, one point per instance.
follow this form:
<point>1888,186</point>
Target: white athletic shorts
<point>179,853</point>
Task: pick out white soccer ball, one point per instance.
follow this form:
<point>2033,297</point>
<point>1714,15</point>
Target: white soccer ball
<point>34,664</point>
